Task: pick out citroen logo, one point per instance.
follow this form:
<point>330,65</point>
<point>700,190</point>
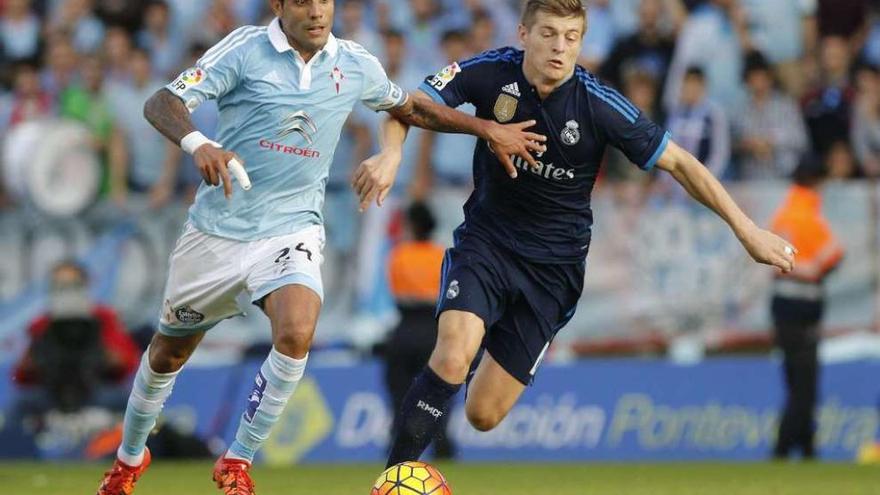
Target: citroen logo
<point>301,123</point>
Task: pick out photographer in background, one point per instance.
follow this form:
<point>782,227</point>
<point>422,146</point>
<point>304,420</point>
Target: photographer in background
<point>79,352</point>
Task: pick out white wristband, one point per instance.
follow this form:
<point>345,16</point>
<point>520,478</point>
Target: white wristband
<point>194,140</point>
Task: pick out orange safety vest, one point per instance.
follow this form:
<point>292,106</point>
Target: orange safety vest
<point>414,272</point>
<point>799,220</point>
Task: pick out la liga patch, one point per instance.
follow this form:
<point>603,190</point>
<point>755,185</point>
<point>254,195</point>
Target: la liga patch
<point>189,78</point>
<point>442,78</point>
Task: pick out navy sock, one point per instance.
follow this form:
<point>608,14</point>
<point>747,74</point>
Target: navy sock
<point>424,404</point>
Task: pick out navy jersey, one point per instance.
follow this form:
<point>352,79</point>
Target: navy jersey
<point>544,214</point>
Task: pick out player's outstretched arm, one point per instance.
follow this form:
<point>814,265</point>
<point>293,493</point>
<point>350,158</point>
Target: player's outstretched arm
<point>374,177</point>
<point>763,246</point>
<point>505,140</point>
<point>167,113</point>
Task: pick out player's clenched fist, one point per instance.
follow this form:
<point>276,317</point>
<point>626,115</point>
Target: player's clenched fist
<point>212,164</point>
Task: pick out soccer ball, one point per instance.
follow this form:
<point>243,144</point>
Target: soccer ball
<point>411,478</point>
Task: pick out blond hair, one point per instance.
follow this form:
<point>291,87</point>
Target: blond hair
<point>560,8</point>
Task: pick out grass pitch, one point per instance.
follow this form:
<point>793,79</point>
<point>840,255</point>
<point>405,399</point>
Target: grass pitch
<point>171,478</point>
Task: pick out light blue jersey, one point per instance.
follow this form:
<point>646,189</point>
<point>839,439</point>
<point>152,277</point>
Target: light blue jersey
<point>283,117</point>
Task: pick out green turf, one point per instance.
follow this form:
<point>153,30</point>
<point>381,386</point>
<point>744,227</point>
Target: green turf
<point>475,479</point>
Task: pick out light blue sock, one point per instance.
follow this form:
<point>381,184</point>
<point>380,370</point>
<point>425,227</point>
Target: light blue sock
<point>273,385</point>
<point>148,395</point>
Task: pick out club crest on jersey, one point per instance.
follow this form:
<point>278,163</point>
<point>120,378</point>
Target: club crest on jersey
<point>452,291</point>
<point>505,107</point>
<point>570,135</point>
<point>301,123</point>
<point>442,78</point>
<point>337,77</point>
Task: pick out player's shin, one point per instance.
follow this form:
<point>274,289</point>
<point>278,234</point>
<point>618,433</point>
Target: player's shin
<point>148,395</point>
<point>426,402</point>
<point>273,386</point>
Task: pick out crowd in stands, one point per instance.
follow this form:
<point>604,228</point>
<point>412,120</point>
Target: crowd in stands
<point>749,86</point>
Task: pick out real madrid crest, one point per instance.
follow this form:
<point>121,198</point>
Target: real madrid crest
<point>505,107</point>
<point>570,135</point>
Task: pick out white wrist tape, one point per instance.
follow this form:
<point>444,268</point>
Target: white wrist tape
<point>194,140</point>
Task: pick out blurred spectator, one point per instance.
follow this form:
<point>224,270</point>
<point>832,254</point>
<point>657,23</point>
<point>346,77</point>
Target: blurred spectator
<point>866,123</point>
<point>648,50</point>
<point>844,18</point>
<point>840,161</point>
<point>86,102</point>
<point>641,89</point>
<point>152,161</point>
<point>76,17</point>
<point>871,50</point>
<point>125,13</point>
<point>249,11</point>
<point>784,31</point>
<point>414,277</point>
<point>29,100</point>
<point>353,27</point>
<point>165,46</point>
<point>500,15</point>
<point>626,16</point>
<point>482,33</point>
<point>445,159</point>
<point>19,31</point>
<point>798,303</point>
<point>79,352</point>
<point>60,67</point>
<point>218,21</point>
<point>422,22</point>
<point>117,51</point>
<point>187,15</point>
<point>769,131</point>
<point>599,37</point>
<point>713,38</point>
<point>828,106</point>
<point>699,125</point>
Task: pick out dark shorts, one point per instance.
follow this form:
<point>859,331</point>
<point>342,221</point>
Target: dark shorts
<point>523,304</point>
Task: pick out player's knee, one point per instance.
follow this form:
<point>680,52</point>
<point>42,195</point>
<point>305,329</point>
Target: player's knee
<point>167,359</point>
<point>482,418</point>
<point>293,336</point>
<point>451,366</point>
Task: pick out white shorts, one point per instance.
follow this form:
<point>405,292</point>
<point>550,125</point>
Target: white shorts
<point>207,273</point>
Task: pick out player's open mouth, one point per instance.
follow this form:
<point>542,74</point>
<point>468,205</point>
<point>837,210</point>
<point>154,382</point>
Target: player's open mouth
<point>316,30</point>
<point>557,64</point>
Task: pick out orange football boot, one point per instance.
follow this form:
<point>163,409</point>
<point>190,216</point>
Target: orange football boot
<point>121,478</point>
<point>231,476</point>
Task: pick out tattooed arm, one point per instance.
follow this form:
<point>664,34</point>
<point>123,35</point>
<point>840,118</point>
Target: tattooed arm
<point>167,113</point>
<point>375,176</point>
<point>505,140</point>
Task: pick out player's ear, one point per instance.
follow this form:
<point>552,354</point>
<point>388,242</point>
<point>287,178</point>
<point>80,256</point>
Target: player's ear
<point>522,31</point>
<point>277,7</point>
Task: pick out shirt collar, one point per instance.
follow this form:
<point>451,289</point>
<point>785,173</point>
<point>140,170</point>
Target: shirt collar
<point>279,40</point>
